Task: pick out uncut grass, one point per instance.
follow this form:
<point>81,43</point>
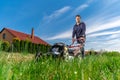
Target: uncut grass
<point>89,68</point>
<point>95,67</point>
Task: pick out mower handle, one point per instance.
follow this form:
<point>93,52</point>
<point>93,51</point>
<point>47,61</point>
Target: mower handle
<point>82,39</point>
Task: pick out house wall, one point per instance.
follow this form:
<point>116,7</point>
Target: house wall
<point>9,37</point>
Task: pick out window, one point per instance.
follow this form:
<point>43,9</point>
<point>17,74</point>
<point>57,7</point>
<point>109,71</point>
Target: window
<point>4,36</point>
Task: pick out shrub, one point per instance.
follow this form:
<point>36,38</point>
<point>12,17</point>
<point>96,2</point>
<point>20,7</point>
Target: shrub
<point>5,46</point>
<point>30,47</point>
<point>0,45</point>
<point>27,41</point>
<point>22,45</point>
<point>16,44</point>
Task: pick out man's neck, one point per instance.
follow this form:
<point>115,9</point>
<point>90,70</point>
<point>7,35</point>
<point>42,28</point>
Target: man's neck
<point>78,23</point>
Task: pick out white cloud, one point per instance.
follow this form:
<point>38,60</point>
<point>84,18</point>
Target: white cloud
<point>104,33</point>
<point>111,24</point>
<point>63,35</point>
<point>89,1</point>
<point>114,36</point>
<point>113,45</point>
<point>110,45</point>
<point>81,7</point>
<point>110,2</point>
<point>114,41</point>
<point>57,13</point>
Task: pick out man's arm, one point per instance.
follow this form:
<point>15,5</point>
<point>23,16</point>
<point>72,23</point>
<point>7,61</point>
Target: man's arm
<point>83,35</point>
<point>83,30</point>
<point>73,35</point>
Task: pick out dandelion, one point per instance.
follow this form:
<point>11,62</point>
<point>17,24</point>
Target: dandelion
<point>21,74</point>
<point>75,72</point>
<point>89,78</point>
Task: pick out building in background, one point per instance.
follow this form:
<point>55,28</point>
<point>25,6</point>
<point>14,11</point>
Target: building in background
<point>9,34</point>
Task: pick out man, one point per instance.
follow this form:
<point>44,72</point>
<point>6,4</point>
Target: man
<point>79,30</point>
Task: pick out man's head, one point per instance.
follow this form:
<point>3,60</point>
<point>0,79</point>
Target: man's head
<point>78,18</point>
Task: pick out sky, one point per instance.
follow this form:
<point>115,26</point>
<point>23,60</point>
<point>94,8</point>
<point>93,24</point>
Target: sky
<point>53,20</point>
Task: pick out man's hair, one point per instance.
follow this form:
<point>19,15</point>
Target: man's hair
<point>78,15</point>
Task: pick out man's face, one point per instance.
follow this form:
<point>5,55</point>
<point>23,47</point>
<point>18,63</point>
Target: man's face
<point>77,19</point>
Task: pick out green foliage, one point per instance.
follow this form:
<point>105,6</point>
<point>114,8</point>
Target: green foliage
<point>22,46</point>
<point>1,45</point>
<point>33,49</point>
<point>16,45</point>
<point>92,52</point>
<point>5,46</point>
<point>27,45</point>
<point>30,47</point>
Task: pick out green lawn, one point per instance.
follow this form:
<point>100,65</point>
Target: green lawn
<point>19,66</point>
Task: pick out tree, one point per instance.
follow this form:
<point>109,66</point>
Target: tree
<point>5,46</point>
<point>22,45</point>
<point>16,44</point>
<point>27,41</point>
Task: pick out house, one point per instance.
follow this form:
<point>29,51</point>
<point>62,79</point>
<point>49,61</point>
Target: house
<point>9,34</point>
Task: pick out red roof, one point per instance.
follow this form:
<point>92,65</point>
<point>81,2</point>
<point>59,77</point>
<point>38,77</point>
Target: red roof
<point>24,36</point>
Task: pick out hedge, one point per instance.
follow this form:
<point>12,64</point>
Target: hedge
<point>5,46</point>
<point>23,46</point>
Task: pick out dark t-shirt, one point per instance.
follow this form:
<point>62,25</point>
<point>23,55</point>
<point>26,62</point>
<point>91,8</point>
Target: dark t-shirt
<point>79,30</point>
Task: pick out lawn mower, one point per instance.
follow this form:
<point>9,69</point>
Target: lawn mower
<point>61,50</point>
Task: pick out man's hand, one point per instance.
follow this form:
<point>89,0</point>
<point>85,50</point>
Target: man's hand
<point>73,40</point>
<point>82,38</point>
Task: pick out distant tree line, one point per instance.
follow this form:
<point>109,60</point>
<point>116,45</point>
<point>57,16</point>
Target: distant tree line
<point>23,46</point>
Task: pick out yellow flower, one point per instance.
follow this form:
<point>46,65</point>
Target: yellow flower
<point>75,72</point>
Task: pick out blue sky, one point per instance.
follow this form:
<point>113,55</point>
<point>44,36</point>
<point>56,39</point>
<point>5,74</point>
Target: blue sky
<point>53,20</point>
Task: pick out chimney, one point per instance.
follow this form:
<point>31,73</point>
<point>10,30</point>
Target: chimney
<point>32,33</point>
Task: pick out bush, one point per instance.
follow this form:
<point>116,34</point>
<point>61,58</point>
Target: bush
<point>42,48</point>
<point>16,44</point>
<point>22,45</point>
<point>5,46</point>
<point>91,52</point>
<point>0,45</point>
<point>48,48</point>
<point>30,47</point>
<point>33,48</point>
<point>27,41</point>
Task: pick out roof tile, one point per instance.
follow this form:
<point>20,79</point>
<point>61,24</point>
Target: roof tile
<point>24,36</point>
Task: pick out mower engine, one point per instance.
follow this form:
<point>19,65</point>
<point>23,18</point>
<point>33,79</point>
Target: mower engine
<point>59,50</point>
<point>74,50</point>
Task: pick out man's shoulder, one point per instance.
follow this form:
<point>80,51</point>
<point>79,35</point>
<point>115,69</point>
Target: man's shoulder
<point>82,23</point>
<point>74,25</point>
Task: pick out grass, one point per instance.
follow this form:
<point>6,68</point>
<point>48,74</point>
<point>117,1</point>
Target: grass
<point>16,66</point>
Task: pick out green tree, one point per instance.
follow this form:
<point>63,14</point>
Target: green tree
<point>27,41</point>
<point>1,45</point>
<point>22,45</point>
<point>5,46</point>
<point>16,44</point>
<point>30,45</point>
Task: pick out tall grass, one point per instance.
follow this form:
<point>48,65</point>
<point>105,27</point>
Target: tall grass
<point>95,67</point>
